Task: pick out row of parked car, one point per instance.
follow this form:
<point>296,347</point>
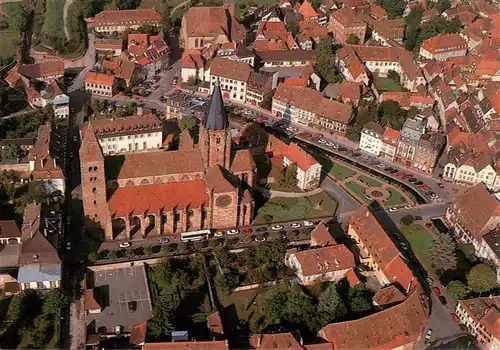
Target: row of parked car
<point>275,227</point>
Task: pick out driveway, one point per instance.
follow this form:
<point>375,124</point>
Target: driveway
<point>89,61</point>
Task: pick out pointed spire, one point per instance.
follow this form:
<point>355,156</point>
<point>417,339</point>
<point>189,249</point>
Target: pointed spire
<point>216,118</point>
<point>90,149</point>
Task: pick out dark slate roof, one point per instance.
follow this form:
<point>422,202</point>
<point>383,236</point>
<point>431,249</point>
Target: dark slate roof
<point>216,118</point>
<point>39,273</point>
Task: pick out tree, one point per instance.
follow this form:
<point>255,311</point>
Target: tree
<point>358,302</point>
<point>54,301</point>
<point>12,152</point>
<point>148,250</point>
<point>266,102</point>
<point>293,27</point>
<point>352,39</point>
<point>407,220</point>
<point>481,278</point>
<point>365,115</point>
<point>328,302</point>
<point>442,253</point>
<point>442,5</point>
<point>394,8</point>
<point>163,320</point>
<point>93,257</point>
<point>187,123</point>
<point>394,76</point>
<point>325,63</point>
<point>457,290</point>
<point>390,112</point>
<point>112,255</point>
<point>127,4</point>
<point>42,331</point>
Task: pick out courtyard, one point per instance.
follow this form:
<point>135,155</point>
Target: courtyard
<point>420,240</point>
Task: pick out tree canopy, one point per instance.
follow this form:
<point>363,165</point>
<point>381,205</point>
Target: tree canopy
<point>328,302</point>
<point>188,123</point>
<point>442,253</point>
<point>416,32</point>
<point>352,39</point>
<point>325,63</point>
<point>293,27</point>
<point>394,8</point>
<point>481,278</point>
<point>457,290</point>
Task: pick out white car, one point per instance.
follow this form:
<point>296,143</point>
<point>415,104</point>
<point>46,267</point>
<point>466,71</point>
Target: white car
<point>308,223</point>
<point>233,232</point>
<point>434,196</point>
<point>381,165</point>
<point>75,138</point>
<point>276,227</point>
<point>295,225</point>
<point>330,144</point>
<point>428,335</point>
<point>124,244</point>
<point>403,245</point>
<point>260,239</point>
<point>408,206</point>
<point>68,245</point>
<point>393,210</point>
<point>322,141</point>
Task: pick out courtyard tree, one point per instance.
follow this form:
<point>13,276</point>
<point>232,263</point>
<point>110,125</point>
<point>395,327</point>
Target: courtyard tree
<point>328,303</point>
<point>394,76</point>
<point>93,257</point>
<point>325,61</point>
<point>188,123</point>
<point>352,39</point>
<point>457,290</point>
<point>358,302</point>
<point>442,253</point>
<point>394,8</point>
<point>481,278</point>
<point>54,301</point>
<point>112,255</point>
<point>293,27</point>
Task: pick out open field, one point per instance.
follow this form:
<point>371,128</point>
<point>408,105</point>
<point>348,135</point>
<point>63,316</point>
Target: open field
<point>281,209</point>
<point>359,191</point>
<point>420,241</point>
<point>385,84</point>
<point>54,21</point>
<point>10,38</point>
<point>395,199</point>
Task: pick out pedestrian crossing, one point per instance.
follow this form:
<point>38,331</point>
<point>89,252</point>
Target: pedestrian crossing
<point>345,215</point>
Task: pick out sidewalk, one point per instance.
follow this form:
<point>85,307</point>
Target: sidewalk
<point>274,193</point>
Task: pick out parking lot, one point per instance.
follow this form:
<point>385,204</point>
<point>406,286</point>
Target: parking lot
<point>125,295</point>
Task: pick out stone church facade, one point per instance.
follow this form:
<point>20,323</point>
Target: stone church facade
<point>202,185</point>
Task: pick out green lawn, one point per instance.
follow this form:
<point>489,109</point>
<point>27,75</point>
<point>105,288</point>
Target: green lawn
<point>420,240</point>
<point>359,191</point>
<point>338,171</point>
<point>395,199</point>
<point>54,21</point>
<point>369,181</point>
<point>385,84</point>
<point>10,38</point>
<point>281,209</point>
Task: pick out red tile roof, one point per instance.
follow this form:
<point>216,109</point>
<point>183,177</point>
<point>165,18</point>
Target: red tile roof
<point>313,101</point>
<point>192,59</point>
<point>98,78</point>
<point>444,42</point>
<point>388,295</point>
<point>320,236</point>
<point>485,311</point>
<point>307,10</point>
<point>9,229</point>
<point>347,17</point>
<point>350,90</point>
<point>230,69</point>
<point>124,17</point>
<point>377,11</point>
<point>474,209</point>
<point>274,341</point>
<point>318,261</point>
<point>153,198</point>
<point>43,69</point>
<point>132,124</point>
<point>388,329</point>
<point>352,278</point>
<point>242,161</point>
<point>194,345</point>
<point>383,251</point>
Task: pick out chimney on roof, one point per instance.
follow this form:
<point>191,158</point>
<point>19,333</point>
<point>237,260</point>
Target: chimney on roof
<point>139,111</point>
<point>35,257</point>
<point>259,339</point>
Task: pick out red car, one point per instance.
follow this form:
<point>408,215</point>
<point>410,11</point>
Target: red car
<point>436,291</point>
<point>424,187</point>
<point>262,119</point>
<point>246,231</point>
<point>455,318</point>
<point>401,174</point>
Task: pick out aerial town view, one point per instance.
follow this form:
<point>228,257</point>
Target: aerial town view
<point>250,174</point>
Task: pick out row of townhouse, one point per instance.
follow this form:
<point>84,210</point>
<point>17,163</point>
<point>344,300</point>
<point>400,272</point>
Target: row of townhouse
<point>108,22</point>
<point>411,147</point>
<point>474,218</point>
<point>308,107</point>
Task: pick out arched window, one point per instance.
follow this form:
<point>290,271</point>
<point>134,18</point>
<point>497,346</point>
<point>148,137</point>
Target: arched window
<point>196,42</point>
<point>217,140</point>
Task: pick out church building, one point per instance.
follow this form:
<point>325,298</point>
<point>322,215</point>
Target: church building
<point>200,186</point>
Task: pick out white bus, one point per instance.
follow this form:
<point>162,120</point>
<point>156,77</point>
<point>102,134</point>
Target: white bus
<point>195,235</point>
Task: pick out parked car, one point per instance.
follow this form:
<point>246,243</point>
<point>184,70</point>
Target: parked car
<point>132,306</point>
<point>68,245</point>
<point>308,223</point>
<point>322,141</point>
<point>260,239</point>
<point>262,229</point>
<point>246,231</point>
<point>430,281</point>
<point>393,210</point>
<point>401,174</point>
<point>442,299</point>
<point>163,240</point>
<point>434,196</point>
<point>417,217</point>
<point>219,234</point>
<point>418,183</point>
<point>233,231</point>
<point>424,187</point>
<point>388,168</point>
<point>381,165</point>
<point>408,206</point>
<point>455,318</point>
<point>394,171</point>
<point>441,186</point>
<point>428,335</point>
<point>118,329</point>
<point>436,291</point>
<point>175,80</point>
<point>276,227</point>
<point>295,225</point>
<point>412,179</point>
<point>403,245</point>
<point>124,244</point>
<point>75,138</point>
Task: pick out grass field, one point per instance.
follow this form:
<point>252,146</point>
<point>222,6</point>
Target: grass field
<point>10,39</point>
<point>385,84</point>
<point>54,21</point>
<point>369,181</point>
<point>281,209</point>
<point>395,199</point>
<point>335,169</point>
<point>420,241</point>
<point>359,191</point>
